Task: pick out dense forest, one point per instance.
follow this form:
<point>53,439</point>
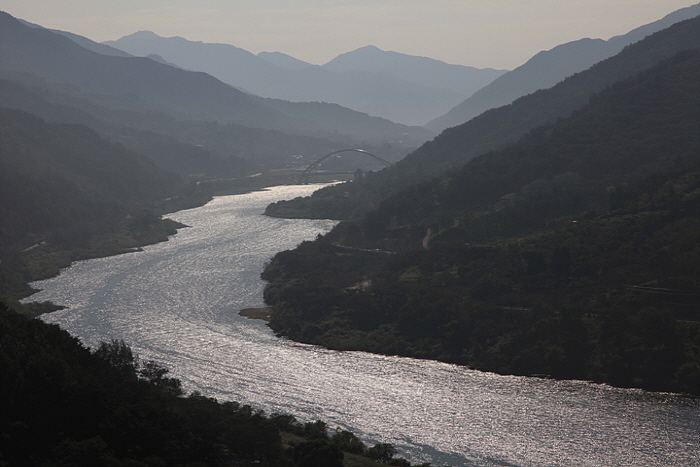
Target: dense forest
<point>67,405</point>
<point>573,253</point>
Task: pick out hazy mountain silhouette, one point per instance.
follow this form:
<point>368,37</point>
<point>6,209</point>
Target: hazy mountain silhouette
<point>285,61</point>
<point>395,86</point>
<point>547,68</point>
<point>233,65</point>
<point>83,41</point>
<point>145,85</point>
<point>464,80</point>
<point>126,82</point>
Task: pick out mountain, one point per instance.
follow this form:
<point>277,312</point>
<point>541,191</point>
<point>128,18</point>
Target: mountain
<point>146,86</point>
<point>285,61</point>
<point>571,253</point>
<point>462,80</point>
<point>232,65</point>
<point>126,82</point>
<point>394,86</point>
<point>495,128</point>
<point>547,68</point>
<point>83,41</point>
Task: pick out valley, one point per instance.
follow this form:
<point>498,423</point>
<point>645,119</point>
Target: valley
<point>464,266</point>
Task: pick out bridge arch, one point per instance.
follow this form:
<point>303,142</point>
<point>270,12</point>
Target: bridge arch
<point>304,177</point>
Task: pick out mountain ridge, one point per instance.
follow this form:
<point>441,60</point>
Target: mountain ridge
<point>397,95</point>
<point>536,73</point>
<point>498,127</point>
<point>144,85</point>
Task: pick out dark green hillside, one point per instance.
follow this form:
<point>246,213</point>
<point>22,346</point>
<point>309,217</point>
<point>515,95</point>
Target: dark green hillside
<point>64,405</point>
<point>498,127</point>
<point>63,188</point>
<point>574,253</point>
<point>635,128</point>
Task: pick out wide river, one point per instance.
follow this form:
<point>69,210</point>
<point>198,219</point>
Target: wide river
<point>177,303</point>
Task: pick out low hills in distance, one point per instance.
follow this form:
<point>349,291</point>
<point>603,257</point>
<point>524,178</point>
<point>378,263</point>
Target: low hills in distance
<point>571,251</point>
<point>399,87</point>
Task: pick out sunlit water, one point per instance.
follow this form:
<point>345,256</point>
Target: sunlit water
<point>177,302</point>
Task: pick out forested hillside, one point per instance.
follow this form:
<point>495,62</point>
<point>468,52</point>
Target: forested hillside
<point>499,127</point>
<point>573,253</point>
<point>67,405</point>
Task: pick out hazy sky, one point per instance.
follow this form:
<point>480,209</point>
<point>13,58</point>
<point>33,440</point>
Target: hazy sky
<point>481,33</point>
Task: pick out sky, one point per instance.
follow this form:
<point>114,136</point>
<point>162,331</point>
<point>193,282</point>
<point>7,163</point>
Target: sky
<point>482,33</point>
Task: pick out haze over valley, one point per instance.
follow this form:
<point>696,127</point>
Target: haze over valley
<point>448,264</point>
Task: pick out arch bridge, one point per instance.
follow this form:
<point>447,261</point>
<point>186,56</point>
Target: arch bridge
<point>304,177</point>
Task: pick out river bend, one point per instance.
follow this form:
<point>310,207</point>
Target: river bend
<point>176,303</point>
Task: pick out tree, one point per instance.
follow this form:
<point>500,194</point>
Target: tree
<point>318,453</point>
<point>381,452</point>
<point>119,355</point>
<point>155,374</point>
<point>348,442</point>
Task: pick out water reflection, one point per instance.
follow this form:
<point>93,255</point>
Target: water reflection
<point>177,303</point>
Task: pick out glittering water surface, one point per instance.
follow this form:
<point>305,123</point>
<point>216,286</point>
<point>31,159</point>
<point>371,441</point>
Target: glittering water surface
<point>177,302</point>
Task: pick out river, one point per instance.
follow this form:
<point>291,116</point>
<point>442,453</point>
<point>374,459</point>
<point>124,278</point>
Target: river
<point>177,303</point>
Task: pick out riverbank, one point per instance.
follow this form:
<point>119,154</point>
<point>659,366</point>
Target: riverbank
<point>481,309</point>
<point>262,313</point>
<point>44,260</point>
<point>176,303</point>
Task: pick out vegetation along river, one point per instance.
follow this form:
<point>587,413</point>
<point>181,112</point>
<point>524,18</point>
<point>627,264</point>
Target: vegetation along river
<point>177,303</point>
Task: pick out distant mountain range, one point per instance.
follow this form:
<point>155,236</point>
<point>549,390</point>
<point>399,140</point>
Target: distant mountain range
<point>395,86</point>
<point>140,84</point>
<point>399,87</point>
<point>187,122</point>
<point>547,68</point>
